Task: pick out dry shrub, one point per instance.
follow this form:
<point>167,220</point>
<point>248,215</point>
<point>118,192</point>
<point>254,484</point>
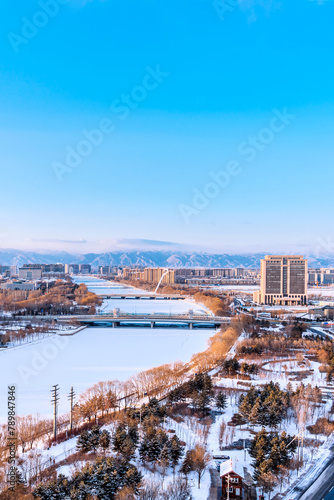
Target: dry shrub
<point>322,426</point>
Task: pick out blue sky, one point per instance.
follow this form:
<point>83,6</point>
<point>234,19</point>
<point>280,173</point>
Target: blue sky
<point>206,84</point>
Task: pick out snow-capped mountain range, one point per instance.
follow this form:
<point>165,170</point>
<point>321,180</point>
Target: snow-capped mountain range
<point>150,258</point>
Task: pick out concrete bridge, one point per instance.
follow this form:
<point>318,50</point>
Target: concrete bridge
<point>148,320</point>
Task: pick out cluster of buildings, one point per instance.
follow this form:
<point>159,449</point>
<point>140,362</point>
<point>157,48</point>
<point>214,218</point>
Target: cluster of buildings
<point>191,276</point>
<point>283,279</point>
<point>38,271</point>
<point>322,276</point>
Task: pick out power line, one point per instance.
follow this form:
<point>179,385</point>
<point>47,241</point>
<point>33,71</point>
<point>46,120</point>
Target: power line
<point>71,399</point>
<point>55,401</point>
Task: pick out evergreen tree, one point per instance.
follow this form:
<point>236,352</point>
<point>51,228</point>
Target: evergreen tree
<point>125,441</point>
<point>253,416</point>
<point>94,438</point>
<point>153,451</point>
<point>83,442</point>
<point>133,433</point>
<point>165,458</point>
<point>186,466</point>
<point>101,479</point>
<point>128,448</point>
<point>271,452</point>
<point>200,400</point>
<point>162,438</point>
<point>176,451</point>
<point>59,489</point>
<point>259,449</point>
<point>221,401</point>
<point>143,449</point>
<point>118,438</point>
<point>104,440</point>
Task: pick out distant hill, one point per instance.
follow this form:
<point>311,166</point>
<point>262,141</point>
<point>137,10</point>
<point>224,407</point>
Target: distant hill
<point>152,258</point>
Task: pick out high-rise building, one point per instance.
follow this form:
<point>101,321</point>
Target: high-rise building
<point>73,269</point>
<point>153,275</point>
<point>104,269</point>
<point>283,280</point>
<point>13,271</point>
<point>53,268</point>
<point>85,268</point>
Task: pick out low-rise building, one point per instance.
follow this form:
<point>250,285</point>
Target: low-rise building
<point>232,477</point>
<point>21,285</point>
<point>30,273</point>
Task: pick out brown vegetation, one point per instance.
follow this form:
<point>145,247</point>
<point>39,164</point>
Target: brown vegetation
<point>60,297</point>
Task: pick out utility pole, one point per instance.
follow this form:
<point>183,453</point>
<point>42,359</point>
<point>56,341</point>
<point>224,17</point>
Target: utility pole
<point>71,399</point>
<point>55,401</point>
<point>228,486</point>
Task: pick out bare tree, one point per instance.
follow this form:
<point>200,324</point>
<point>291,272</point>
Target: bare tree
<point>177,490</point>
<point>199,459</point>
<point>150,491</point>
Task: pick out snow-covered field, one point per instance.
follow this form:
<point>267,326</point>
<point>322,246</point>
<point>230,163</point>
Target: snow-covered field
<point>101,287</point>
<point>247,289</point>
<point>94,354</point>
<point>324,291</point>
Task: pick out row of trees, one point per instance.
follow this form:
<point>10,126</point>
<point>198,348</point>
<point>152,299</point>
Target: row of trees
<point>220,344</point>
<point>60,297</point>
<point>104,397</point>
<point>273,343</point>
<point>200,391</point>
<point>28,332</point>
<point>232,367</point>
<point>103,478</point>
<point>93,439</point>
<point>326,357</point>
<point>269,405</point>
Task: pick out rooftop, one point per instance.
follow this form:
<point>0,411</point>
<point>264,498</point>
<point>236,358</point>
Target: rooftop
<point>229,466</point>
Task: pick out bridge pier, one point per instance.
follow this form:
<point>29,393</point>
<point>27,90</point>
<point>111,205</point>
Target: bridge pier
<point>191,326</point>
<point>152,324</point>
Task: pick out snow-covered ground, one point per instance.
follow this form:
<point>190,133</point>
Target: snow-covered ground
<point>101,287</point>
<point>92,355</point>
<point>325,291</point>
<point>95,354</point>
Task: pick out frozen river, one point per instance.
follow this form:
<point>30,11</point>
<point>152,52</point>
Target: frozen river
<point>95,354</point>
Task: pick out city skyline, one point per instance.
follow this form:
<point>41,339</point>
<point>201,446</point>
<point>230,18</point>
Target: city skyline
<point>225,139</point>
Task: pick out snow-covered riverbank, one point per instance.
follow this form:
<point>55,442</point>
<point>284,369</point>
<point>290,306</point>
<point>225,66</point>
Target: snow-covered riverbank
<point>95,354</point>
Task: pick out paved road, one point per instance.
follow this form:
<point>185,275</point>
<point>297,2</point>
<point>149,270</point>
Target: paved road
<point>323,487</point>
<point>215,490</point>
